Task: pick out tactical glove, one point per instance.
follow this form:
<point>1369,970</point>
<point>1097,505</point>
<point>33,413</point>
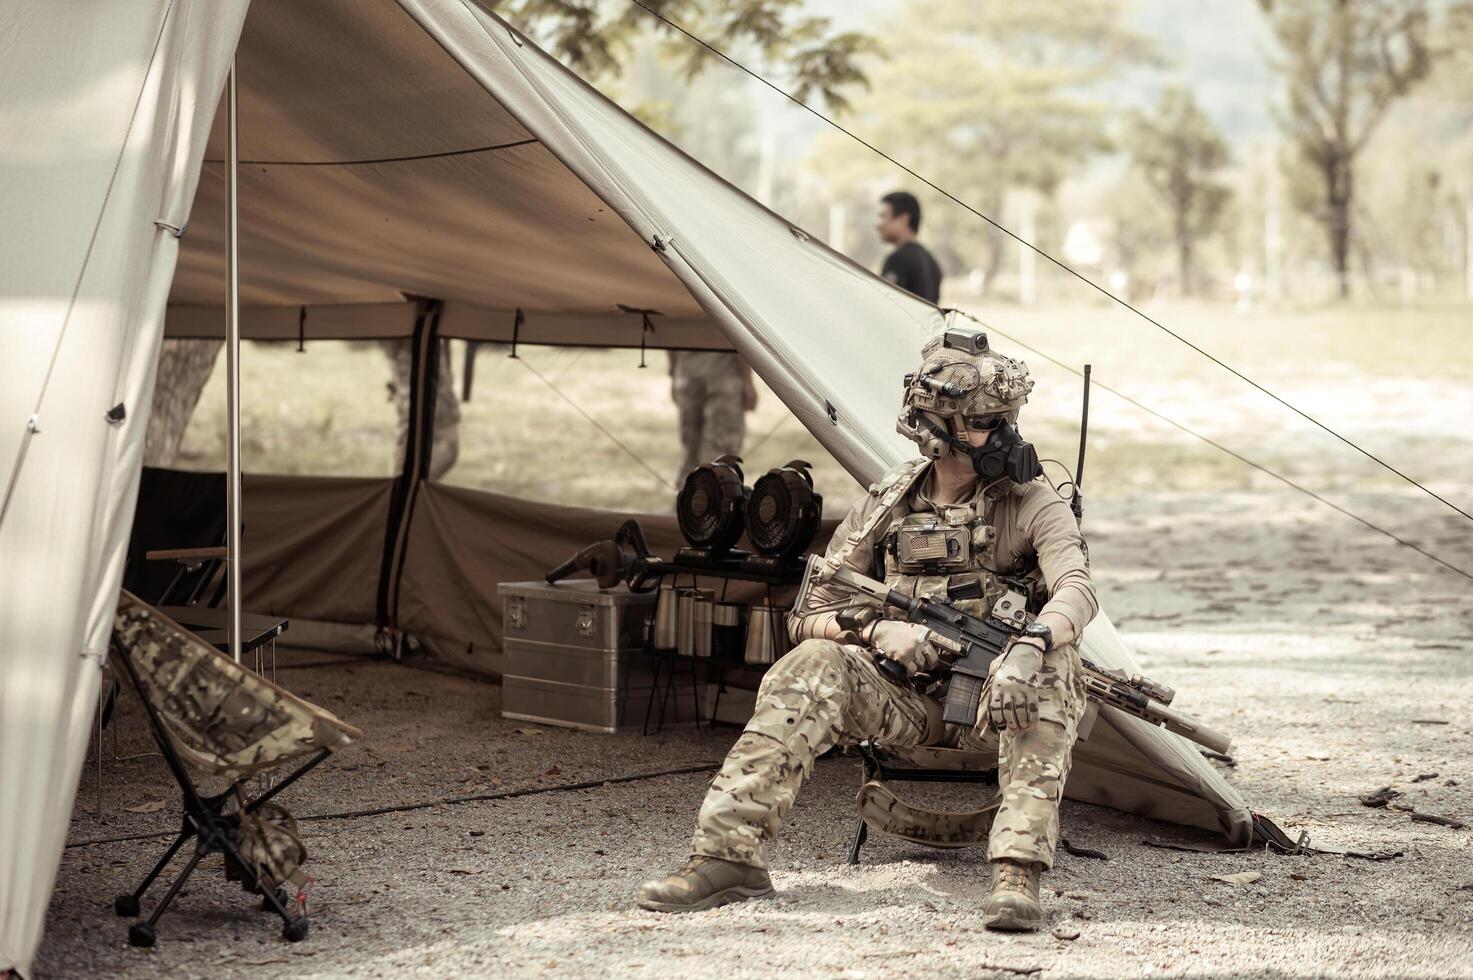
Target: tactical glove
<point>1013,704</point>
<point>905,643</point>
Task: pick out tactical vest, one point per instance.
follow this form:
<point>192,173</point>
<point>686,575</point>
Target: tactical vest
<point>950,551</point>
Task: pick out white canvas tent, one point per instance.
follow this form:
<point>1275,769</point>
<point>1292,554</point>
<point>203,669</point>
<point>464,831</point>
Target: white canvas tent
<point>413,149</point>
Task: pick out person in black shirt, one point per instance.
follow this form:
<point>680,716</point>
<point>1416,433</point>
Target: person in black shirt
<point>910,266</point>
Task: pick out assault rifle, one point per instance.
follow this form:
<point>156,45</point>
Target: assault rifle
<point>976,643</point>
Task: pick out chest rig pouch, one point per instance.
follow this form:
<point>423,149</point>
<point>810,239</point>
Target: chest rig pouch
<point>943,543</point>
<point>948,551</point>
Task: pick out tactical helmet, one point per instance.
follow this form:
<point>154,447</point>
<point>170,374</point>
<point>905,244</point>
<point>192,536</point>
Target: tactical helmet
<point>961,375</point>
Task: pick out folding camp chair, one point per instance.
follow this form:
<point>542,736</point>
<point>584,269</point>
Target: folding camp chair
<point>212,714</point>
<point>191,597</point>
<point>881,810</point>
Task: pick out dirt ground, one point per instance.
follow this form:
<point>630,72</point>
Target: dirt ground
<point>1336,660</point>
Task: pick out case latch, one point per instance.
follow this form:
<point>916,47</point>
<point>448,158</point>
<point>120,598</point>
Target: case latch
<point>587,616</point>
<point>516,612</point>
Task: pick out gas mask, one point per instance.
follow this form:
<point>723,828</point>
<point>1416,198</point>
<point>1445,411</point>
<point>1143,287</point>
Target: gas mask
<point>1004,454</point>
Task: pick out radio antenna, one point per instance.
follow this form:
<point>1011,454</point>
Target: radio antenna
<point>1077,504</point>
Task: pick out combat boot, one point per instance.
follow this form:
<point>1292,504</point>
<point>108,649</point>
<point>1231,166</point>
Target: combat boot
<point>704,883</point>
<point>1013,904</point>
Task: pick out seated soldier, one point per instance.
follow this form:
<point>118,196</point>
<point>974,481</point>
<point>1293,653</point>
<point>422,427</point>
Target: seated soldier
<point>1008,528</point>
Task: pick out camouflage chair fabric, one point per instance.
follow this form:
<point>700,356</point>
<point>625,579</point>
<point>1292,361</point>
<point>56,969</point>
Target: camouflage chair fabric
<point>886,813</point>
<point>220,716</point>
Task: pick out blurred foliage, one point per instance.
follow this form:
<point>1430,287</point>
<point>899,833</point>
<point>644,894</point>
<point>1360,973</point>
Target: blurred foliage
<point>1141,232</point>
<point>1180,154</point>
<point>1344,62</point>
<point>1022,111</point>
<point>985,96</point>
<point>798,51</point>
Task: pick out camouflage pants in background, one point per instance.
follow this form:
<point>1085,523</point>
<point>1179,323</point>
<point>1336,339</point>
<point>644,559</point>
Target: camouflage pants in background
<point>707,389</point>
<point>824,694</point>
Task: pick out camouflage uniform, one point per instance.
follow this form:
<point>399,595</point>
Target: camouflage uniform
<point>825,693</point>
<point>707,388</point>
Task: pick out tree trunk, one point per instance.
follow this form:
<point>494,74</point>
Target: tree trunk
<point>447,408</point>
<point>992,246</point>
<point>1468,241</point>
<point>1184,255</point>
<point>185,367</point>
<point>1027,257</point>
<point>994,263</point>
<point>1340,245</point>
<point>1339,196</point>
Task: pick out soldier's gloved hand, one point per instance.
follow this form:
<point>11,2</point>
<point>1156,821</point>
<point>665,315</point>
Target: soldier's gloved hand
<point>905,643</point>
<point>1013,703</point>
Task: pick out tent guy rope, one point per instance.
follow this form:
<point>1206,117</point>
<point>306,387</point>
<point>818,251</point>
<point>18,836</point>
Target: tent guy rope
<point>595,423</point>
<point>1242,459</point>
<point>508,794</point>
<point>1105,292</point>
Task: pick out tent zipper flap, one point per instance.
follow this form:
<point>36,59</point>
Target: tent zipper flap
<point>418,445</point>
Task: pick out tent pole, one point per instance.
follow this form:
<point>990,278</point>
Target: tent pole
<point>232,367</point>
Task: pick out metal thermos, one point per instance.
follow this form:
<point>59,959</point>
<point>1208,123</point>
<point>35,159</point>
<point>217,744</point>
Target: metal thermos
<point>705,606</point>
<point>727,638</point>
<point>666,632</point>
<point>767,635</point>
<point>686,621</point>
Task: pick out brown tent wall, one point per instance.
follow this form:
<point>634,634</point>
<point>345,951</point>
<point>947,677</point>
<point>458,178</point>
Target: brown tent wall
<point>359,563</point>
<point>314,547</point>
<point>463,542</point>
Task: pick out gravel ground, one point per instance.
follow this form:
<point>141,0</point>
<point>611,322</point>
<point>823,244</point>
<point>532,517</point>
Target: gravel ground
<point>1337,661</point>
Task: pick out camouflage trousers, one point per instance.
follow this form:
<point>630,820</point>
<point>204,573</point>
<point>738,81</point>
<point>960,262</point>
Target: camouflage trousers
<point>824,694</point>
<point>707,389</point>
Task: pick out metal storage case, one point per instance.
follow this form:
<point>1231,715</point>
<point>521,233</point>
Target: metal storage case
<point>574,654</point>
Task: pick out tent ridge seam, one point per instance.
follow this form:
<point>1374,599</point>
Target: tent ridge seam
<point>410,158</point>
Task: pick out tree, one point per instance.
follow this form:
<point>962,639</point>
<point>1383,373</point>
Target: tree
<point>809,57</point>
<point>1140,232</point>
<point>1179,152</point>
<point>1344,63</point>
<point>984,96</point>
<point>184,368</point>
<point>446,447</point>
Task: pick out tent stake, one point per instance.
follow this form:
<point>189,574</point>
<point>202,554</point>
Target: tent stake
<point>232,367</point>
